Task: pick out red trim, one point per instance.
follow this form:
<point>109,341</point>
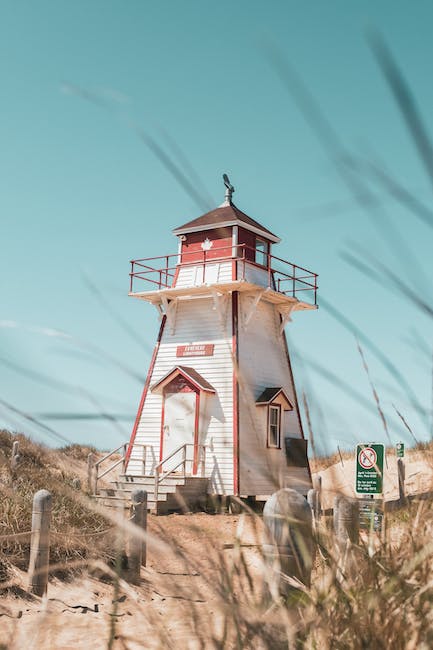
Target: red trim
<point>234,270</point>
<point>145,389</point>
<point>178,372</point>
<point>196,433</point>
<point>176,274</point>
<point>235,352</point>
<point>180,384</point>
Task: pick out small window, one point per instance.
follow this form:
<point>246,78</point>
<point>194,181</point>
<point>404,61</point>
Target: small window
<point>261,252</point>
<point>274,429</point>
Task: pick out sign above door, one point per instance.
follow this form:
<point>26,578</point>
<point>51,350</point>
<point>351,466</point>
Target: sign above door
<point>195,350</point>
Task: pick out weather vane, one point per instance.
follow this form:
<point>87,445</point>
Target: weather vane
<point>229,189</point>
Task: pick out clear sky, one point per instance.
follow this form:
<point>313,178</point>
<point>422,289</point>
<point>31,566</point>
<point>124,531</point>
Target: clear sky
<point>84,85</point>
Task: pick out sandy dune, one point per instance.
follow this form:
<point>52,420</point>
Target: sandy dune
<point>340,478</point>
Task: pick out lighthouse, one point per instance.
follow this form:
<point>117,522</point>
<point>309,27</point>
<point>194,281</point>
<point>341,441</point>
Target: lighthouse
<point>219,404</point>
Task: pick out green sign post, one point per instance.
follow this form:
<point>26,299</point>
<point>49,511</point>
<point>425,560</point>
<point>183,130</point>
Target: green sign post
<point>400,449</point>
<point>369,468</point>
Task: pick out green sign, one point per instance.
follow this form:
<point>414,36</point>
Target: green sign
<point>371,514</point>
<point>400,449</point>
<point>369,468</point>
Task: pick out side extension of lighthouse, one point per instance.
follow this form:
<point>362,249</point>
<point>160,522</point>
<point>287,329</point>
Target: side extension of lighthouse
<point>219,402</point>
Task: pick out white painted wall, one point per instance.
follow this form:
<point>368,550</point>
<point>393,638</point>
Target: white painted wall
<point>192,275</point>
<point>262,364</point>
<point>196,322</point>
<point>255,274</point>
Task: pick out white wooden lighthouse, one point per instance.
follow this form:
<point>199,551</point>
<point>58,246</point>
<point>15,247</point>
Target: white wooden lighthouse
<point>219,401</point>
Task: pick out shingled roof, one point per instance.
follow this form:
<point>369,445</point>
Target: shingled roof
<point>226,215</point>
<point>189,373</point>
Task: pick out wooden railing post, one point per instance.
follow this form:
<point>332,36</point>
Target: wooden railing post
<point>156,484</point>
<point>184,460</point>
<point>136,544</point>
<point>290,545</point>
<point>203,461</point>
<point>125,449</point>
<point>40,543</point>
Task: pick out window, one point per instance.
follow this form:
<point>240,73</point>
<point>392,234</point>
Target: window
<point>261,256</point>
<point>274,428</point>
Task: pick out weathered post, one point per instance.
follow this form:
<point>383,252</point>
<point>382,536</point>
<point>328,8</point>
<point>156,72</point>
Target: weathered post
<point>401,478</point>
<point>337,499</point>
<point>317,483</point>
<point>90,467</point>
<point>136,544</point>
<point>15,458</point>
<point>144,527</point>
<point>313,498</point>
<point>40,543</point>
<point>289,549</point>
<point>346,520</point>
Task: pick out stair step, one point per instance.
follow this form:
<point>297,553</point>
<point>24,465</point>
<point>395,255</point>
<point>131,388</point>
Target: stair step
<point>174,493</point>
<point>175,477</point>
<point>117,502</point>
<point>119,489</point>
<point>149,486</point>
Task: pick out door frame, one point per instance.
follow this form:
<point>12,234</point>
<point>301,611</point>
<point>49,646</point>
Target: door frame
<point>183,385</point>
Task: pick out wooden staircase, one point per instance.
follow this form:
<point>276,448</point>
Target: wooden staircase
<point>175,493</point>
<point>167,490</point>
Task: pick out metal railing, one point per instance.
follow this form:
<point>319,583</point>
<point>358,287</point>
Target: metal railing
<point>160,475</point>
<point>121,461</point>
<point>280,275</point>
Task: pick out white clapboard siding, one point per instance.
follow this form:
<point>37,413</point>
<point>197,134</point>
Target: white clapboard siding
<point>194,275</point>
<point>196,322</point>
<point>263,363</point>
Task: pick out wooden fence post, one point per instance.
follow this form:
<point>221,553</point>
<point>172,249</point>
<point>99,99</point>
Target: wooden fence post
<point>401,478</point>
<point>337,500</point>
<point>90,468</point>
<point>313,498</point>
<point>40,543</point>
<point>290,546</point>
<point>317,483</point>
<point>346,520</point>
<point>15,458</point>
<point>136,544</point>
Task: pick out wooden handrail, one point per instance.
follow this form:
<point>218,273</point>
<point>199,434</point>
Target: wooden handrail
<point>121,460</point>
<point>101,460</point>
<point>182,462</point>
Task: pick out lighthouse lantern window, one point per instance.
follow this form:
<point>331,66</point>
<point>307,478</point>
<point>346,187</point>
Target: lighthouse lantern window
<point>261,256</point>
<point>274,431</point>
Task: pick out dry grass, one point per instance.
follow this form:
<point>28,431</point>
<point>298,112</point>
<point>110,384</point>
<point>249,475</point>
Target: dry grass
<point>77,532</point>
<point>205,585</point>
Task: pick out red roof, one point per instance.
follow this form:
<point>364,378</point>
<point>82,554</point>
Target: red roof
<point>189,373</point>
<point>225,215</point>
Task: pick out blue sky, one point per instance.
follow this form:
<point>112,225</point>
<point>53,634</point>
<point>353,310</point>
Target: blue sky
<point>82,193</point>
